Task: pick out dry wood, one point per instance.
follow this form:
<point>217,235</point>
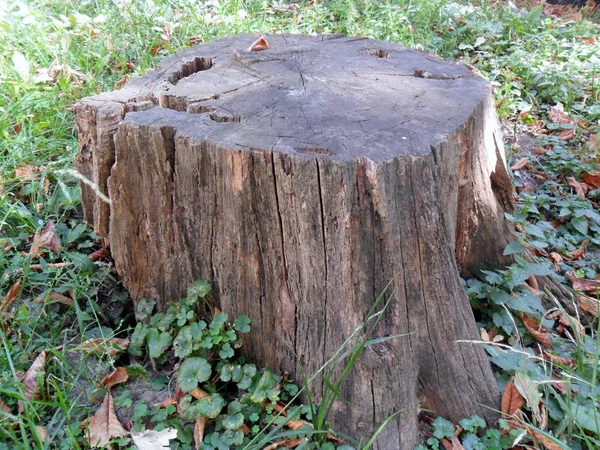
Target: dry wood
<point>300,180</point>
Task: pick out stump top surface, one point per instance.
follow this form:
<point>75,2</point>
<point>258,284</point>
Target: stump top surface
<point>314,96</point>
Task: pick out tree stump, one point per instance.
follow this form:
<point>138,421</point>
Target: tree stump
<point>300,180</point>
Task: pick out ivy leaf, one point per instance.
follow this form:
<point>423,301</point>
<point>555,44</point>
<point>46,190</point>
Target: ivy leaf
<point>138,337</point>
<point>199,289</point>
<point>210,406</point>
<point>242,324</point>
<point>144,308</point>
<point>514,247</point>
<point>226,351</point>
<point>580,224</point>
<point>442,428</point>
<point>233,421</point>
<point>157,342</point>
<point>192,372</point>
<point>183,343</point>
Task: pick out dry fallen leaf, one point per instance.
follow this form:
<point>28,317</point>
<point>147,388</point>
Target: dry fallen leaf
<point>512,401</point>
<point>568,134</point>
<point>565,320</point>
<point>592,178</point>
<point>4,407</point>
<point>537,332</point>
<point>34,378</point>
<point>580,188</point>
<point>288,443</point>
<point>118,376</point>
<point>111,346</point>
<point>583,284</point>
<point>198,393</point>
<point>105,425</point>
<point>154,440</point>
<point>558,359</point>
<point>580,252</point>
<point>27,172</point>
<point>559,385</point>
<point>556,260</point>
<point>520,163</point>
<point>260,44</point>
<point>558,115</point>
<point>119,84</point>
<point>166,402</point>
<point>42,432</point>
<point>99,254</point>
<point>546,441</point>
<point>13,294</point>
<point>55,297</point>
<point>452,444</point>
<point>47,238</point>
<point>199,430</point>
<point>588,304</point>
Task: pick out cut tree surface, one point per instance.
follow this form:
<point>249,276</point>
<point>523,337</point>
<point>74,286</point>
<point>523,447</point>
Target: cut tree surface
<point>300,180</point>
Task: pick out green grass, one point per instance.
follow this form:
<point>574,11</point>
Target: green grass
<point>86,47</point>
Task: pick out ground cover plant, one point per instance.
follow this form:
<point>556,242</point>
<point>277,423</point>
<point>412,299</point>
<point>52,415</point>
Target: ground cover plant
<point>72,353</point>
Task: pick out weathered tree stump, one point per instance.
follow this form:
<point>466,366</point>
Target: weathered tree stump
<point>300,180</point>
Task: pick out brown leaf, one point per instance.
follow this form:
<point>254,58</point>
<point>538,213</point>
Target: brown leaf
<point>33,379</point>
<point>105,425</point>
<point>119,84</point>
<point>580,189</point>
<point>196,40</point>
<point>166,402</point>
<point>547,442</point>
<point>580,252</point>
<point>452,444</point>
<point>520,163</point>
<point>288,443</point>
<point>568,134</point>
<point>512,401</point>
<point>556,260</point>
<point>592,178</point>
<point>260,44</point>
<point>55,297</point>
<point>4,407</point>
<point>296,424</point>
<point>558,359</point>
<point>559,385</point>
<point>13,294</point>
<point>47,238</point>
<point>558,115</point>
<point>588,304</point>
<point>110,346</point>
<point>42,432</point>
<point>535,329</point>
<point>199,430</point>
<point>198,393</point>
<point>99,254</point>
<point>583,284</point>
<point>27,172</point>
<point>118,376</point>
<point>565,320</point>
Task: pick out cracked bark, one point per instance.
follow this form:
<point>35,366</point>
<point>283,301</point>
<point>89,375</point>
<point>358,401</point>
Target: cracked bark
<point>300,180</point>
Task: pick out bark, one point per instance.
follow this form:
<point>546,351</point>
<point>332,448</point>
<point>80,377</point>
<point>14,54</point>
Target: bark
<point>300,181</point>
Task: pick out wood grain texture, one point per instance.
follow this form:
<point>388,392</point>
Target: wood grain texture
<point>300,180</point>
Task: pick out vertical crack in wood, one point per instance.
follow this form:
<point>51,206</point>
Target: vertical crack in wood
<point>281,234</point>
<point>324,255</point>
<point>422,277</point>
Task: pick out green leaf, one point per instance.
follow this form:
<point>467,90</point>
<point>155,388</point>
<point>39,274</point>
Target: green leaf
<point>192,372</point>
<point>200,288</point>
<point>210,406</point>
<point>233,421</point>
<point>442,428</point>
<point>242,324</point>
<point>226,351</point>
<point>514,247</point>
<point>534,230</point>
<point>144,308</point>
<point>580,224</point>
<point>158,342</point>
<point>184,343</point>
<point>586,416</point>
<point>529,390</point>
<point>138,338</point>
